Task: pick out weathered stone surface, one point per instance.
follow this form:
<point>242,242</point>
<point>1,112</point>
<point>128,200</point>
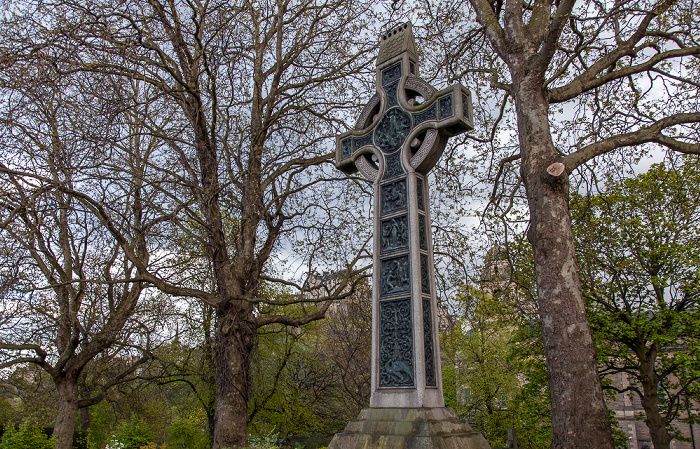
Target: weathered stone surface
<point>400,135</point>
<point>408,428</point>
<point>397,140</point>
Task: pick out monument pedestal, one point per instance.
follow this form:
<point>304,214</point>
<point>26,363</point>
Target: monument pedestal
<point>408,428</point>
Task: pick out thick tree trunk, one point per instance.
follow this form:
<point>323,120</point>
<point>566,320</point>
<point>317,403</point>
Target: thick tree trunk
<point>654,421</point>
<point>64,426</point>
<point>579,414</point>
<point>234,340</point>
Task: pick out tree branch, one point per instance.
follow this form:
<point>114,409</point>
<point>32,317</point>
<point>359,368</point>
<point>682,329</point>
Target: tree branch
<point>651,133</point>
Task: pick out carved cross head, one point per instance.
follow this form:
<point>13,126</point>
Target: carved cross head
<point>405,126</point>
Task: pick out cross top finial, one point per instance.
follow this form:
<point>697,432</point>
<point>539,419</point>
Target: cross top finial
<point>397,41</point>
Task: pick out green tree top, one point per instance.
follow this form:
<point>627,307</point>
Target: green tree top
<point>639,253</point>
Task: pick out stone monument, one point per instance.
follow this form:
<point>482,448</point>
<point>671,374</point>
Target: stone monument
<point>398,138</point>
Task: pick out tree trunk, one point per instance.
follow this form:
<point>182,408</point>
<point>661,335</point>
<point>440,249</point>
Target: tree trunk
<point>85,419</point>
<point>654,421</point>
<point>575,386</point>
<point>234,340</point>
<point>209,374</point>
<point>64,426</point>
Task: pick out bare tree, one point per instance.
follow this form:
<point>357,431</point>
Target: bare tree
<point>72,294</point>
<point>250,90</point>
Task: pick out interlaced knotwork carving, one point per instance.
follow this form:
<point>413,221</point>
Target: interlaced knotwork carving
<point>425,148</point>
<point>395,344</point>
<point>366,168</point>
<point>424,274</point>
<point>429,114</point>
<point>420,86</point>
<point>364,120</point>
<point>393,165</point>
<point>359,142</point>
<point>422,234</point>
<point>430,379</point>
<point>421,195</point>
<point>391,92</point>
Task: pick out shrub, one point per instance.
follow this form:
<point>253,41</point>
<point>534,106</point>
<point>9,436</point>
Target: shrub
<point>26,437</point>
<point>184,434</point>
<point>132,435</point>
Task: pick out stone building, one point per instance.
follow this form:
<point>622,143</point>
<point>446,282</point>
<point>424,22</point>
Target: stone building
<point>629,414</point>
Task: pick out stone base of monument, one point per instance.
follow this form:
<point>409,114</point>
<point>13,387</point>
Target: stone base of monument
<point>408,428</point>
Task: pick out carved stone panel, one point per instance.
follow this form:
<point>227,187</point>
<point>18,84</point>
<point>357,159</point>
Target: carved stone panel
<point>424,275</point>
<point>420,194</point>
<point>394,276</point>
<point>346,149</point>
<point>393,197</point>
<point>445,107</point>
<point>465,107</point>
<point>396,344</point>
<point>394,235</point>
<point>391,74</point>
<point>422,235</point>
<point>391,92</point>
<point>393,165</point>
<point>359,142</point>
<point>428,114</point>
<point>392,130</point>
<point>430,379</point>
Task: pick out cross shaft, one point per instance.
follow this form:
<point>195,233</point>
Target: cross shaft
<point>398,138</point>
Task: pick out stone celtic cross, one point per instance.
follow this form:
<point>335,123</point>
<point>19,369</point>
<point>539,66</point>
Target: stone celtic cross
<point>398,138</point>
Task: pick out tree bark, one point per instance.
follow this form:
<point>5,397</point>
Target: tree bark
<point>209,373</point>
<point>575,386</point>
<point>234,341</point>
<point>64,426</point>
<point>85,419</point>
<point>650,401</point>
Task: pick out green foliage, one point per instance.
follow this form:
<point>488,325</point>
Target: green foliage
<point>532,419</point>
<point>449,386</point>
<point>26,437</point>
<point>490,379</point>
<point>134,434</point>
<point>639,254</point>
<point>6,411</point>
<point>267,440</point>
<point>101,425</point>
<point>185,434</point>
<point>301,393</point>
<point>620,438</point>
<point>310,381</point>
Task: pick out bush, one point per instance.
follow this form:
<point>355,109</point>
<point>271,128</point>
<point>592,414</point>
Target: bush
<point>132,435</point>
<point>269,440</point>
<point>184,434</point>
<point>26,437</point>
